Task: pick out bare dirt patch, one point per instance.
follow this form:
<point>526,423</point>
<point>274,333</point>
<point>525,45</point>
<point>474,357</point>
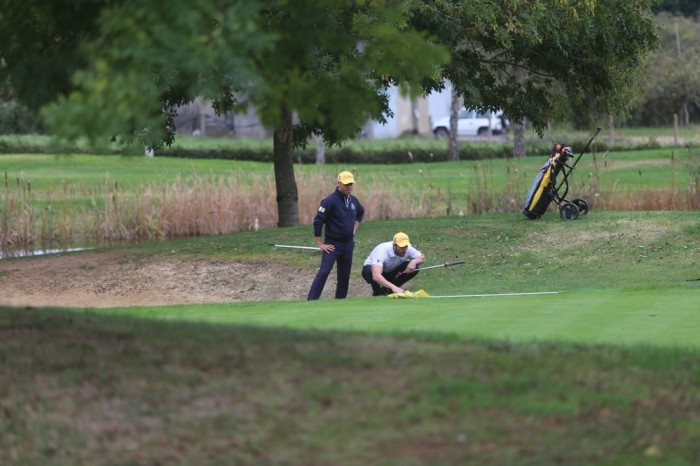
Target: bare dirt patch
<point>111,279</point>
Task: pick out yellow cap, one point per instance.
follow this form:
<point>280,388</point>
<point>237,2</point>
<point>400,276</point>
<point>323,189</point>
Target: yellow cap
<point>401,240</point>
<point>346,178</point>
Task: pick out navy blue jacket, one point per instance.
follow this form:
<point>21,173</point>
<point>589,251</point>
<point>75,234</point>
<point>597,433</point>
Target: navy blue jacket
<point>338,213</point>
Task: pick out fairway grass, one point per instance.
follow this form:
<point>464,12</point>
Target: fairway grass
<point>663,317</point>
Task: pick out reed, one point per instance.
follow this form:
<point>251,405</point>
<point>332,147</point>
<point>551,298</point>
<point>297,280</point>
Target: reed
<point>603,191</point>
<point>200,205</point>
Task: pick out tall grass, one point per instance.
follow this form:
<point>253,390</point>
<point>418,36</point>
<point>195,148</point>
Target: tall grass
<point>215,204</point>
<point>602,191</point>
<point>200,205</point>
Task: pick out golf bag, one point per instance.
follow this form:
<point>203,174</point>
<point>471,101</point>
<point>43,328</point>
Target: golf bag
<point>544,188</point>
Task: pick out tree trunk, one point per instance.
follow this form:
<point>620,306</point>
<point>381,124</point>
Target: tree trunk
<point>414,116</point>
<point>320,150</point>
<point>286,185</point>
<point>686,113</point>
<point>519,140</point>
<point>454,116</point>
<point>519,128</point>
<point>202,130</point>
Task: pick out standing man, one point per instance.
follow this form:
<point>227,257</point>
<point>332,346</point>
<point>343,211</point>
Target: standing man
<point>340,213</point>
<point>392,264</point>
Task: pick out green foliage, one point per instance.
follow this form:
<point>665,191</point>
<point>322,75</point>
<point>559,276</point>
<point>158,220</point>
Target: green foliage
<point>41,46</point>
<point>18,119</point>
<point>538,59</point>
<point>351,152</point>
<point>123,68</point>
<point>334,75</point>
<point>130,65</point>
<point>149,59</point>
<point>399,154</point>
<point>684,7</point>
<point>672,84</point>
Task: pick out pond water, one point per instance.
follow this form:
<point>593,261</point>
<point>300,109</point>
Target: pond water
<point>6,252</point>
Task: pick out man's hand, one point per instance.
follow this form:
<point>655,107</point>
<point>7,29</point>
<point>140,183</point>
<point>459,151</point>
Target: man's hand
<point>328,248</point>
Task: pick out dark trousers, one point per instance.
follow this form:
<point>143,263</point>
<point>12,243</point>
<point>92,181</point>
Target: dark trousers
<point>343,256</point>
<point>396,276</point>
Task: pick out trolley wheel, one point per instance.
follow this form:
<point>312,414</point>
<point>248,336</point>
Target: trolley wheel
<point>568,211</point>
<point>582,205</point>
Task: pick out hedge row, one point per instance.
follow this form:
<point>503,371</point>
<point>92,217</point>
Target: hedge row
<point>350,155</point>
<point>345,154</point>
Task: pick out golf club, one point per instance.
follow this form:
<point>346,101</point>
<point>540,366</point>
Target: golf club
<point>577,159</point>
<point>498,294</point>
<point>312,248</point>
<point>446,264</point>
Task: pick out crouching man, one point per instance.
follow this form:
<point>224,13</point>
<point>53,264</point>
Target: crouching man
<point>392,264</point>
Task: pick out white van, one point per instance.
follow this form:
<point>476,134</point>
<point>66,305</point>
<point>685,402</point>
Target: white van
<point>472,123</point>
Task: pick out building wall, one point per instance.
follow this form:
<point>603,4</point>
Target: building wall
<point>427,109</point>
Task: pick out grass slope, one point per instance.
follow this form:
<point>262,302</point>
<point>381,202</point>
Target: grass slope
<point>82,389</point>
<point>606,373</point>
<point>625,278</point>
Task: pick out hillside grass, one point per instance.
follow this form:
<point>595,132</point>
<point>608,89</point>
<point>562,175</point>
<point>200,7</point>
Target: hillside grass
<point>605,373</point>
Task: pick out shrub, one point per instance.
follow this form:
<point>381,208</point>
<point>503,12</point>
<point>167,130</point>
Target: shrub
<point>17,119</point>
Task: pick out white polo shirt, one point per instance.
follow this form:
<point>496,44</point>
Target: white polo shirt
<point>384,254</point>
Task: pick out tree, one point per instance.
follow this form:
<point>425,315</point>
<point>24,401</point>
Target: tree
<point>455,106</point>
<point>308,67</point>
<point>574,53</point>
<point>673,83</point>
<point>312,68</point>
<point>331,67</point>
<point>101,68</point>
<point>684,7</point>
<point>14,117</point>
<point>519,128</point>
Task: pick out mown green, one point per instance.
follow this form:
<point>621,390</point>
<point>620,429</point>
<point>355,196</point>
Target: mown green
<point>641,316</point>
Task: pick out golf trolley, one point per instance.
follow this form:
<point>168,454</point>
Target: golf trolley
<point>544,188</point>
